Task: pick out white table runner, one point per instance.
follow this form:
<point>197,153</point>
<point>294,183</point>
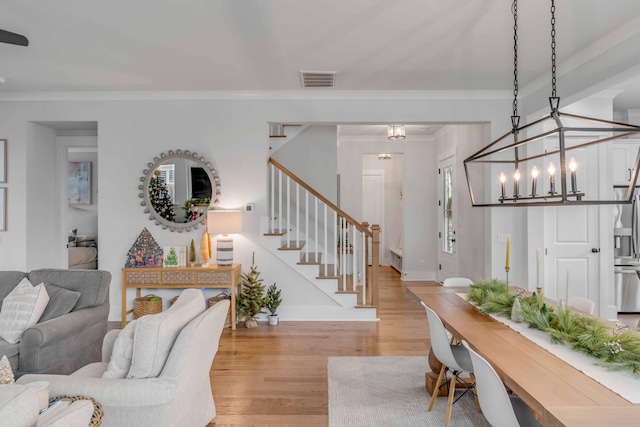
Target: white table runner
<point>623,383</point>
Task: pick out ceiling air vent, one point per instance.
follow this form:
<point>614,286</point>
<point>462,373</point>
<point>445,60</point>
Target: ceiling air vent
<point>318,78</point>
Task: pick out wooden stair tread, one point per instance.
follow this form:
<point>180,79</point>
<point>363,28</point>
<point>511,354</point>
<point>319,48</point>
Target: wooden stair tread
<point>329,273</point>
<point>347,292</point>
<point>310,258</point>
<point>365,306</point>
<point>292,246</point>
<point>276,232</point>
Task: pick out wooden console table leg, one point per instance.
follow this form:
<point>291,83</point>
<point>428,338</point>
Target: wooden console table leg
<point>233,306</point>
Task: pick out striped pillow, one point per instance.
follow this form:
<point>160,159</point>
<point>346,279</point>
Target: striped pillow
<point>22,309</point>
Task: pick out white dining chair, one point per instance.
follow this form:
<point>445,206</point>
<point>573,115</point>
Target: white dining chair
<point>457,281</point>
<point>582,304</point>
<point>453,357</point>
<point>500,409</point>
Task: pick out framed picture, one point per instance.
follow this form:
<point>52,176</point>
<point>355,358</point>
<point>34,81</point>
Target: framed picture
<point>3,209</point>
<point>3,160</point>
<point>79,183</point>
<point>175,256</point>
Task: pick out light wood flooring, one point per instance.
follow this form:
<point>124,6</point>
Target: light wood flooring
<point>277,375</point>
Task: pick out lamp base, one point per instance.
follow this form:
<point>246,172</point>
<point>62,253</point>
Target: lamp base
<point>225,250</point>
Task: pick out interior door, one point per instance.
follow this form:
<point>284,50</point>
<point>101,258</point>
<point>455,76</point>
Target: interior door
<point>571,238</point>
<point>448,255</point>
<point>373,204</point>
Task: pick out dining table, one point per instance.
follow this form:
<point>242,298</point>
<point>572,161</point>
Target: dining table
<point>556,392</point>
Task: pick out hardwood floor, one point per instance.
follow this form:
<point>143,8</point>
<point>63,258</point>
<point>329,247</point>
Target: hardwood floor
<point>277,375</point>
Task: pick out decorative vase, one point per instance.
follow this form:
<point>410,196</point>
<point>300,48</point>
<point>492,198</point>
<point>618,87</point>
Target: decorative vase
<point>516,311</point>
<point>250,322</point>
<point>273,319</point>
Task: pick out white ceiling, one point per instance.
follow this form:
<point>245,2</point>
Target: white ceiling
<point>262,45</point>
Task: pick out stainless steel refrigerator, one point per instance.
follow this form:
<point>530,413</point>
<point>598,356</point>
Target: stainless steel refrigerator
<point>626,235</point>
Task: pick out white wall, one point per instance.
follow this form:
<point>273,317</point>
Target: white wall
<point>311,156</point>
<point>233,135</point>
<point>42,202</point>
<point>419,181</point>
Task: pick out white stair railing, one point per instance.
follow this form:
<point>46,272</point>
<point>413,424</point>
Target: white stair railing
<point>340,243</point>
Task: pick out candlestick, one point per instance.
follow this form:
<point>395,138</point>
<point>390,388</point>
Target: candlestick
<point>552,178</point>
<point>516,184</point>
<point>573,165</point>
<point>507,263</point>
<point>540,297</point>
<point>537,268</point>
<point>534,180</point>
<point>503,179</point>
<point>506,269</point>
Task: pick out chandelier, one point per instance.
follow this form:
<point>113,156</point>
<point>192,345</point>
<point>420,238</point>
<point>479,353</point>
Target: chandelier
<point>540,163</point>
<point>396,132</point>
<point>384,156</point>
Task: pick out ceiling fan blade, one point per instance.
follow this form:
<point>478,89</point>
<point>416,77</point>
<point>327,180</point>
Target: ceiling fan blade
<point>13,38</point>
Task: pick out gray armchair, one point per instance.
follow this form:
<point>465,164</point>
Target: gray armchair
<point>62,344</point>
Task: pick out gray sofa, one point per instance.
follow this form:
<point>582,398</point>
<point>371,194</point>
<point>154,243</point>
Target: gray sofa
<point>63,344</point>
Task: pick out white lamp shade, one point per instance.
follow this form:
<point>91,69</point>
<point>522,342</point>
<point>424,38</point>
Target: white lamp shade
<point>224,221</point>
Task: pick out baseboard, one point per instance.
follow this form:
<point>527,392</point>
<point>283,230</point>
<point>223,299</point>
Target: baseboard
<point>416,276</point>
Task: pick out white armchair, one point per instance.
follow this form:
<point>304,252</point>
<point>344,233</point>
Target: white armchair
<point>179,395</point>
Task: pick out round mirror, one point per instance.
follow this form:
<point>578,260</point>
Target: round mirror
<point>178,188</point>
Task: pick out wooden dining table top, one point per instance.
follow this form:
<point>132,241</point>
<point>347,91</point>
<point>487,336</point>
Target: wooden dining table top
<point>557,392</point>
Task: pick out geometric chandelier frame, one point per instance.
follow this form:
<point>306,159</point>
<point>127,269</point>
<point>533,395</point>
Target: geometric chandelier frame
<point>531,163</point>
<point>508,152</point>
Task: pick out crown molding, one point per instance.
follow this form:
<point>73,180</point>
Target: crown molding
<point>258,95</point>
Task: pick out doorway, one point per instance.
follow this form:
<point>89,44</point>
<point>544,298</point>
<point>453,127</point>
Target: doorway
<point>382,200</point>
<point>447,252</point>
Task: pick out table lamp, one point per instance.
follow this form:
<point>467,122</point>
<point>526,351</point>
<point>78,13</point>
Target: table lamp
<point>224,223</point>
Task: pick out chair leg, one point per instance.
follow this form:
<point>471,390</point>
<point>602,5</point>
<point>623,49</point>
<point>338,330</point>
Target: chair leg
<point>436,388</point>
<point>452,390</point>
<point>475,392</point>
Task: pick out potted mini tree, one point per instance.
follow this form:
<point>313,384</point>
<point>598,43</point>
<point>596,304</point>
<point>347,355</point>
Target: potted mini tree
<point>272,301</point>
<point>251,301</point>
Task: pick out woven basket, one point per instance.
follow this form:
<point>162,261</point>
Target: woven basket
<point>98,412</point>
<point>222,296</point>
<point>144,305</point>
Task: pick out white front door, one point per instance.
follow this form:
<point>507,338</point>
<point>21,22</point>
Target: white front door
<point>448,256</point>
<point>572,240</point>
<point>373,203</point>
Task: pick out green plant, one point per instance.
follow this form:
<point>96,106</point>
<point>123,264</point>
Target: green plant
<point>273,299</point>
<point>186,207</point>
<point>617,350</point>
<point>251,302</point>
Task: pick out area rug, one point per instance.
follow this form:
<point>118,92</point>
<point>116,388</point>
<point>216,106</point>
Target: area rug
<point>389,391</point>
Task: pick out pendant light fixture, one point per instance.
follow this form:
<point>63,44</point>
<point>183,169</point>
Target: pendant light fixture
<point>384,156</point>
<point>528,155</point>
<point>396,132</point>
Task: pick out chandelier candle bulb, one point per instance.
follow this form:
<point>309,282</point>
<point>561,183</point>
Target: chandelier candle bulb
<point>552,178</point>
<point>516,184</point>
<point>534,180</point>
<point>503,179</point>
<point>573,165</point>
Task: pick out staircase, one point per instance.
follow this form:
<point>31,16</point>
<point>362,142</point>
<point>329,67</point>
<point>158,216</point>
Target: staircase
<point>323,244</point>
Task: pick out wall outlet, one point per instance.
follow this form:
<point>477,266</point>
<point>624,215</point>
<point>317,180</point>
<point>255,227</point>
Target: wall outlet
<point>249,207</point>
<point>502,237</point>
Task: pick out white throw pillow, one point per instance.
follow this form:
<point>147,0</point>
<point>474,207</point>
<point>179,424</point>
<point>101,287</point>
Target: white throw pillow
<point>156,333</point>
<point>22,309</point>
<point>120,362</point>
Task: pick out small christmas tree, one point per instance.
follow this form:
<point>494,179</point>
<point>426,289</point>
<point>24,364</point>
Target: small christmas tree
<point>6,374</point>
<point>192,252</point>
<point>172,257</point>
<point>160,198</point>
<point>251,302</point>
<point>145,251</point>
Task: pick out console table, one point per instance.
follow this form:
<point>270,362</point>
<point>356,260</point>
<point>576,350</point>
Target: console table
<point>212,277</point>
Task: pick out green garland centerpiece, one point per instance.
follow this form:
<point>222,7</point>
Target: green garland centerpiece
<point>616,350</point>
